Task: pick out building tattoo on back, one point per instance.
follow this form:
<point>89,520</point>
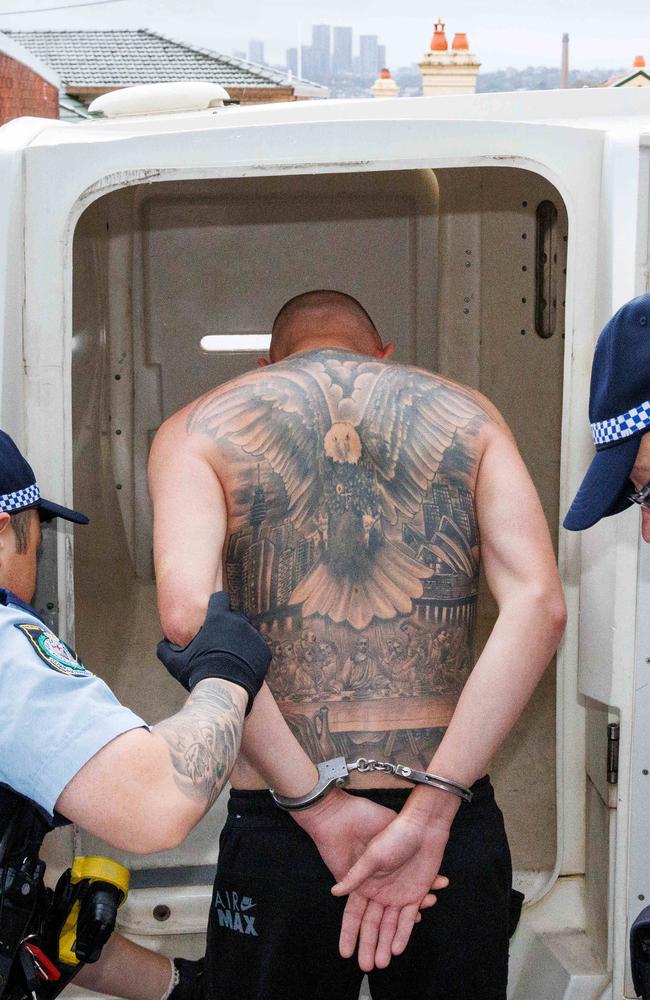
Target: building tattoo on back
<point>352,543</point>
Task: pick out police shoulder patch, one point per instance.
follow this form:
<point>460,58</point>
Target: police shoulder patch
<point>53,650</point>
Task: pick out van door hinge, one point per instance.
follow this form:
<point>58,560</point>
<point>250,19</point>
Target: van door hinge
<point>613,731</point>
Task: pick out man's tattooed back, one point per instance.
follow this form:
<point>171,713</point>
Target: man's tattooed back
<point>352,543</point>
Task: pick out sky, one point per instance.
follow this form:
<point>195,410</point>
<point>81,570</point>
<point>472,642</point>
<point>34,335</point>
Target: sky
<point>505,33</point>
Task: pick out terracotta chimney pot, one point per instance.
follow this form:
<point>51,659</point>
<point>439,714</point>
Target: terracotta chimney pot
<point>460,43</point>
<point>439,40</point>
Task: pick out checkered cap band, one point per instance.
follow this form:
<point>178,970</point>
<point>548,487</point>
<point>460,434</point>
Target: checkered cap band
<point>617,428</point>
<point>20,499</point>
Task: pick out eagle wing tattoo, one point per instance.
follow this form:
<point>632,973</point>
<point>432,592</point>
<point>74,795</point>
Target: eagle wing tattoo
<point>356,447</point>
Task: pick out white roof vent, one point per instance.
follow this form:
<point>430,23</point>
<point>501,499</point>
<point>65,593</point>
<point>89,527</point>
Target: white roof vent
<point>161,99</point>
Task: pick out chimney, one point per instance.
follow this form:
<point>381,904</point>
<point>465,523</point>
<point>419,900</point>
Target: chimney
<point>385,86</point>
<point>564,68</point>
<point>445,70</point>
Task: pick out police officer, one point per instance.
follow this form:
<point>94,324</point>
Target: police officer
<point>619,475</point>
<point>619,412</point>
<point>69,751</point>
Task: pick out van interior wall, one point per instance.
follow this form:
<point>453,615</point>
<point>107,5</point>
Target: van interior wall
<point>490,282</point>
<point>445,264</point>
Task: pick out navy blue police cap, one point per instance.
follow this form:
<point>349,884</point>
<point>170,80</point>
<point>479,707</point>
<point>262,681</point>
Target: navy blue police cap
<point>19,489</point>
<point>619,412</point>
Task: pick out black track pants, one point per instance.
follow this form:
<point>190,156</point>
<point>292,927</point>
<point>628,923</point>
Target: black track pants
<point>274,925</point>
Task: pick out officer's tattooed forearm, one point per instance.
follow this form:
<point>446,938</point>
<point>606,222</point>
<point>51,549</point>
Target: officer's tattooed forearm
<point>203,740</point>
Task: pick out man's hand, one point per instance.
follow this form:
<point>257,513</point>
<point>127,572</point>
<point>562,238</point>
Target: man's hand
<point>226,646</point>
<point>395,875</point>
<point>341,826</point>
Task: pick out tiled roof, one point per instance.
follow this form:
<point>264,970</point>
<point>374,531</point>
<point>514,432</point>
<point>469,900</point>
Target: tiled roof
<point>119,58</point>
<point>620,81</point>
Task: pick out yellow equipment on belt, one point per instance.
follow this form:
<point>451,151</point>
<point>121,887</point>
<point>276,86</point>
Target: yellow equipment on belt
<point>86,872</point>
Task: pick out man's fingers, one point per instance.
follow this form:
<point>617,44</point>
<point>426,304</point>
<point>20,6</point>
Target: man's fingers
<point>369,934</point>
<point>387,930</point>
<point>440,882</point>
<point>359,872</point>
<point>408,917</point>
<point>428,901</point>
<point>352,917</point>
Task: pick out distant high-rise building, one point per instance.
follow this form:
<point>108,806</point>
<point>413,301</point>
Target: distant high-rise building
<point>342,53</point>
<point>307,62</point>
<point>292,61</point>
<point>239,54</point>
<point>368,55</point>
<point>256,52</point>
<point>381,57</point>
<point>320,50</point>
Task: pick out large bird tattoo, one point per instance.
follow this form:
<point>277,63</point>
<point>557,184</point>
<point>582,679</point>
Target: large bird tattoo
<point>356,445</point>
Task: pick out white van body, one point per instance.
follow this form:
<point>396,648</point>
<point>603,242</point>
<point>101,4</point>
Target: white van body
<point>126,241</point>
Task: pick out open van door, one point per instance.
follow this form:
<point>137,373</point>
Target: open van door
<point>490,237</point>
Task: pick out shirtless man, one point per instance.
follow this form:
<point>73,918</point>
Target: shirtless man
<point>334,435</point>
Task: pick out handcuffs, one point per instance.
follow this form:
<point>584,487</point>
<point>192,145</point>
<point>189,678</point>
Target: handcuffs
<point>335,773</point>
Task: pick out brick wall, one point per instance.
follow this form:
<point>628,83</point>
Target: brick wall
<point>261,95</point>
<point>246,95</point>
<point>24,92</point>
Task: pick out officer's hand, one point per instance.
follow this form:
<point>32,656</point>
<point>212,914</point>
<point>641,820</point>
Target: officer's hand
<point>226,646</point>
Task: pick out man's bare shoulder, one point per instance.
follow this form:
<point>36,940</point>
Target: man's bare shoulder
<point>315,363</point>
<point>304,383</point>
<point>183,423</point>
<point>437,378</point>
<point>491,420</point>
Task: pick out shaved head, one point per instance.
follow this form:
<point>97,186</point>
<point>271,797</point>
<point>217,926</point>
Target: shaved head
<point>323,314</point>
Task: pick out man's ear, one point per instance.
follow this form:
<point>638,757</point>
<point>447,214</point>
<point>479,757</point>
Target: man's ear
<point>386,351</point>
<point>4,527</point>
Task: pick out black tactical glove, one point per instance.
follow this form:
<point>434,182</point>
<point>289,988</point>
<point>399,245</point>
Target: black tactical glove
<point>226,646</point>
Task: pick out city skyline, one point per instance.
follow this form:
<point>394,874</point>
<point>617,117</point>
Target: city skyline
<point>332,54</point>
<point>507,37</point>
<point>267,557</point>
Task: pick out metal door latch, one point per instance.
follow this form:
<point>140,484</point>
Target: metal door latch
<point>613,734</point>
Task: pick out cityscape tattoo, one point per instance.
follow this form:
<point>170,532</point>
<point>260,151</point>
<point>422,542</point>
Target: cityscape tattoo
<point>352,543</point>
<point>203,740</point>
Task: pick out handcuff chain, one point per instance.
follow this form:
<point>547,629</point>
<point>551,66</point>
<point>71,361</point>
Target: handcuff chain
<point>364,766</point>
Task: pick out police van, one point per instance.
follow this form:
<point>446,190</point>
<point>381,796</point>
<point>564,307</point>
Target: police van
<point>143,257</point>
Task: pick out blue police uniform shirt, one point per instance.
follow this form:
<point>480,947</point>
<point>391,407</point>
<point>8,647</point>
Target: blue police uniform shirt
<point>56,715</point>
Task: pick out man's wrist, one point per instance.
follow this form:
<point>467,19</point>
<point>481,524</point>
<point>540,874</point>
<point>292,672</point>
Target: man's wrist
<point>300,783</point>
<point>311,818</point>
<point>428,806</point>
